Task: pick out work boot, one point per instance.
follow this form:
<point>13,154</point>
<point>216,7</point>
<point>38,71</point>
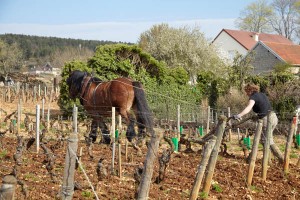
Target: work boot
<point>276,152</point>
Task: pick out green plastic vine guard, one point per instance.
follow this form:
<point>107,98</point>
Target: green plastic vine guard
<point>14,122</point>
<point>200,129</point>
<point>298,139</point>
<point>181,130</point>
<point>117,134</point>
<point>175,142</point>
<point>247,142</point>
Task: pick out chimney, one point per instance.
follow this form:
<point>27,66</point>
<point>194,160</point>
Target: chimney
<point>255,37</point>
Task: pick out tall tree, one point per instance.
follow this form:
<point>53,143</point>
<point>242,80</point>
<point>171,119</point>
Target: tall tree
<point>10,56</point>
<point>184,47</point>
<point>284,21</point>
<point>255,17</point>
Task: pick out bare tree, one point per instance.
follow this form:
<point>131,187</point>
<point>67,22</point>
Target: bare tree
<point>255,17</point>
<point>286,14</point>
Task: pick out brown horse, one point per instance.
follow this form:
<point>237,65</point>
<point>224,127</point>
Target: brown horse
<point>98,98</point>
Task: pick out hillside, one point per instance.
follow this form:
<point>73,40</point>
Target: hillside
<point>37,46</point>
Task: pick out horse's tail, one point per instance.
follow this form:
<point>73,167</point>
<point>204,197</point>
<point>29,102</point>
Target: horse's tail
<point>144,116</point>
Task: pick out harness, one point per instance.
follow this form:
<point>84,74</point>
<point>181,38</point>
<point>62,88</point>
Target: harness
<point>85,83</point>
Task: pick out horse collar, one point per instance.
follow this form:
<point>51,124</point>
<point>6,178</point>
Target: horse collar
<point>85,81</point>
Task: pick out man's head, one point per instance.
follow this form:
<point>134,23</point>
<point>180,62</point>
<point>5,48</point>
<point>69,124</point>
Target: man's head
<point>251,88</point>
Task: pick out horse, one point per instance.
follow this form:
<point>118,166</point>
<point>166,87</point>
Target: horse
<point>98,97</point>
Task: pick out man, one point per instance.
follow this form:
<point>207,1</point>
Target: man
<point>260,104</point>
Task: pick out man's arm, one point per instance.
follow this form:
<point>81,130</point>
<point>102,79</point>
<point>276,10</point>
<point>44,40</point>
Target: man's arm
<point>247,109</point>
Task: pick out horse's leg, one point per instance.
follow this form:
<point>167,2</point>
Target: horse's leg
<point>130,120</point>
<point>93,133</point>
<point>140,124</point>
<point>105,133</point>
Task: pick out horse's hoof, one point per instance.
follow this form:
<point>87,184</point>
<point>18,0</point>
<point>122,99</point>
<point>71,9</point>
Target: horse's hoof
<point>90,140</point>
<point>106,141</point>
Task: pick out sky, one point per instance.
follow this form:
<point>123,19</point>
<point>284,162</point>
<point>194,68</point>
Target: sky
<point>115,20</point>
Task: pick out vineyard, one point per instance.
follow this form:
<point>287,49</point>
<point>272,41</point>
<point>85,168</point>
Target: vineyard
<point>39,173</point>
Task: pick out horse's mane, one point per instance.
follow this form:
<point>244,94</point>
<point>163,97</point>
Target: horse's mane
<point>77,77</point>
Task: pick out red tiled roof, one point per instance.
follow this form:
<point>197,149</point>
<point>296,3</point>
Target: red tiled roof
<point>289,53</point>
<point>246,38</point>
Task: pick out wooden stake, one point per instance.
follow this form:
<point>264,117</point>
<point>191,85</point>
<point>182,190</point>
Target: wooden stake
<point>208,118</point>
<point>266,151</point>
<point>229,115</point>
<point>70,161</point>
<point>37,128</point>
<point>120,161</point>
<point>254,152</point>
<point>202,166</point>
<point>178,122</point>
<point>288,145</point>
<point>113,129</point>
<point>214,155</point>
<point>126,150</point>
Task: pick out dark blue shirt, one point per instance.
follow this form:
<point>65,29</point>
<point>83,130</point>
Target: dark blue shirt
<point>262,104</point>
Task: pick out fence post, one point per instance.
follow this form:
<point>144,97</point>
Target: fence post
<point>253,154</point>
<point>228,115</point>
<point>112,131</point>
<point>208,118</point>
<point>289,144</point>
<point>120,160</point>
<point>202,166</point>
<point>214,155</point>
<point>69,169</point>
<point>37,128</point>
<point>178,122</point>
<point>266,152</point>
<point>19,117</point>
<point>43,108</point>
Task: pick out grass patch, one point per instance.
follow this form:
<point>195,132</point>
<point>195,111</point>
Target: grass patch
<point>3,153</point>
<point>87,194</point>
<point>3,124</point>
<point>203,195</point>
<point>79,168</point>
<point>293,155</point>
<point>220,157</point>
<point>30,177</point>
<point>217,187</point>
<point>255,189</point>
<point>282,147</point>
<point>185,193</point>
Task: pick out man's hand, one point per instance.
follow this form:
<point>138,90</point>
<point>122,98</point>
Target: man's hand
<point>237,117</point>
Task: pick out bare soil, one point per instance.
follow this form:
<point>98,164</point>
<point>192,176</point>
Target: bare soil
<point>229,180</point>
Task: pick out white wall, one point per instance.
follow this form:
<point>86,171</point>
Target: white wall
<point>227,46</point>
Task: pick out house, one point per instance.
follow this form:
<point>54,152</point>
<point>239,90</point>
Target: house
<point>269,54</point>
<point>46,69</point>
<point>232,42</point>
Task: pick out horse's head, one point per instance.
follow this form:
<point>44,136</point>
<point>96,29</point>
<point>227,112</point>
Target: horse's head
<point>74,82</point>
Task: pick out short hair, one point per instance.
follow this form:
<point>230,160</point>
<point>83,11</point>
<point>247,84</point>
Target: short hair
<point>251,88</point>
